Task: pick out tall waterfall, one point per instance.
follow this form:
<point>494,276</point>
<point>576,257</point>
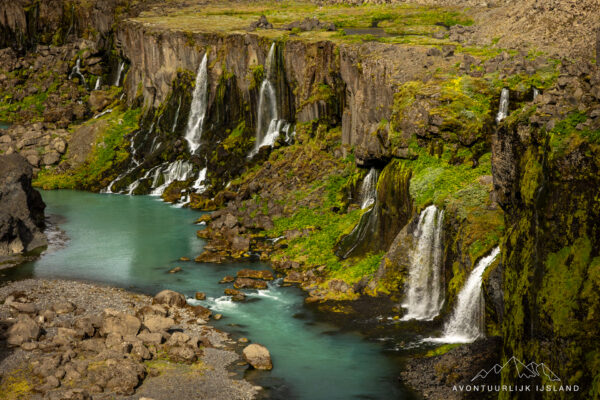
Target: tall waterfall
<point>98,84</point>
<point>198,108</point>
<point>503,109</point>
<point>76,71</point>
<point>368,189</point>
<point>425,295</point>
<point>119,73</point>
<point>269,126</point>
<point>466,323</point>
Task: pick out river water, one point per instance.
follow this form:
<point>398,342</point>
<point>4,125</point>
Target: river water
<point>132,242</point>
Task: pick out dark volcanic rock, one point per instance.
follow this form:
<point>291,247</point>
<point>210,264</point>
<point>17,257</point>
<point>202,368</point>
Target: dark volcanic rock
<point>21,208</point>
<point>436,376</point>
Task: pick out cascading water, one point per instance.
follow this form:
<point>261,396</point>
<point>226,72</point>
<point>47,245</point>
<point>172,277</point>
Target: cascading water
<point>176,115</point>
<point>269,125</point>
<point>76,71</point>
<point>466,323</point>
<point>119,73</point>
<point>198,108</point>
<point>199,185</point>
<point>425,295</point>
<point>98,84</point>
<point>368,189</point>
<point>179,170</point>
<point>536,93</point>
<point>503,109</point>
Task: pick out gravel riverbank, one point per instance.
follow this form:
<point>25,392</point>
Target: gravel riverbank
<point>74,340</point>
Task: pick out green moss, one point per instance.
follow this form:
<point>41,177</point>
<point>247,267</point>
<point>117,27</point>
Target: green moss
<point>560,296</point>
<point>16,384</point>
<point>441,350</point>
<point>466,107</point>
<point>532,176</point>
<point>110,150</point>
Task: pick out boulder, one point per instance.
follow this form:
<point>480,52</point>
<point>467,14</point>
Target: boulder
<point>201,312</point>
<point>258,356</point>
<point>200,296</point>
<point>247,283</point>
<point>236,295</point>
<point>183,354</point>
<point>156,323</point>
<point>250,273</point>
<point>262,23</point>
<point>227,279</point>
<point>24,330</point>
<point>27,308</point>
<point>118,323</point>
<point>21,208</point>
<point>120,376</point>
<point>63,307</point>
<point>150,337</point>
<point>169,298</point>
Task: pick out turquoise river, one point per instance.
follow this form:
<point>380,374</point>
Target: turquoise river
<point>132,242</point>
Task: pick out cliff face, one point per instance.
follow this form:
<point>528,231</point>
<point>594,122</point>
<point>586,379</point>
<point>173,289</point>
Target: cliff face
<point>545,171</point>
<point>21,209</point>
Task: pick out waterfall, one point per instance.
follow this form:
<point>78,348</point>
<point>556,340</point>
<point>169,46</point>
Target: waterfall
<point>76,71</point>
<point>536,93</point>
<point>503,109</point>
<point>425,281</point>
<point>269,126</point>
<point>107,111</point>
<point>176,115</point>
<point>467,323</point>
<point>98,84</point>
<point>119,73</point>
<point>368,189</point>
<point>199,185</point>
<point>176,171</point>
<point>198,108</point>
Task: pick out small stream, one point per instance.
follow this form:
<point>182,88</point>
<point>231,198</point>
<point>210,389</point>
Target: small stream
<point>132,242</point>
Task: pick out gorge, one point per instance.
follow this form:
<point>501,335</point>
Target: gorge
<point>424,173</point>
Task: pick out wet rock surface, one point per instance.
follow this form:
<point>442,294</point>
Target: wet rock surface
<point>95,342</point>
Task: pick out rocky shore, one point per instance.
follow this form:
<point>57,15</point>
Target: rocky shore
<point>74,340</point>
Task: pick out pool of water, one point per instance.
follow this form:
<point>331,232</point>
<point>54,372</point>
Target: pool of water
<point>4,125</point>
<point>132,242</point>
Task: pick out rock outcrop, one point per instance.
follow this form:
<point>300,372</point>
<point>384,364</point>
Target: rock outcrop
<point>21,208</point>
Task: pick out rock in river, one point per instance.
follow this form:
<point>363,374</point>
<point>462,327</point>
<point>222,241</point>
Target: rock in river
<point>170,298</point>
<point>247,283</point>
<point>258,356</point>
<point>250,273</point>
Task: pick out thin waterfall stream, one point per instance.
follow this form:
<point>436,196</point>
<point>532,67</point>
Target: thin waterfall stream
<point>269,126</point>
<point>503,108</point>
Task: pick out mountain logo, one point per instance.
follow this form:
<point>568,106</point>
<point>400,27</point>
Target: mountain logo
<point>531,370</point>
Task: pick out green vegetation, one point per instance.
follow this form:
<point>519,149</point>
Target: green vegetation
<point>568,134</point>
<point>111,149</point>
<point>441,350</point>
<point>400,23</point>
